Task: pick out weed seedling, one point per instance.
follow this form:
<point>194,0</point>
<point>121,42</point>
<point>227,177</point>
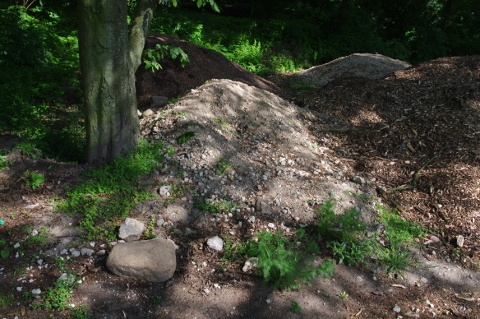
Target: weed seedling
<point>344,295</point>
<point>6,299</point>
<point>80,312</point>
<point>185,137</point>
<point>33,179</point>
<point>56,297</point>
<point>295,307</point>
<point>221,206</point>
<point>150,231</point>
<point>223,166</point>
<point>4,250</point>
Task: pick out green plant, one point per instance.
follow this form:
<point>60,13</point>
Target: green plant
<point>221,206</point>
<point>56,297</point>
<point>223,166</point>
<point>80,312</point>
<point>284,263</point>
<point>5,251</point>
<point>345,236</point>
<point>344,295</point>
<point>60,262</point>
<point>27,295</point>
<point>150,231</point>
<point>151,57</point>
<point>6,299</point>
<point>109,193</point>
<point>33,179</point>
<point>295,307</point>
<point>4,163</point>
<point>185,137</point>
<point>39,237</point>
<point>156,300</point>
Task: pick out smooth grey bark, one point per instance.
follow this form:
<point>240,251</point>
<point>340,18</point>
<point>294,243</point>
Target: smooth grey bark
<point>110,53</point>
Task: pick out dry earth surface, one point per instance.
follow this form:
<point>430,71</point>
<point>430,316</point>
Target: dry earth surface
<point>411,140</point>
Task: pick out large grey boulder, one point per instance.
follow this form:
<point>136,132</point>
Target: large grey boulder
<point>357,65</point>
<point>131,229</point>
<point>148,260</point>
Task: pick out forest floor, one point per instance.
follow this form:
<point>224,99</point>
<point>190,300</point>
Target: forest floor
<point>411,141</point>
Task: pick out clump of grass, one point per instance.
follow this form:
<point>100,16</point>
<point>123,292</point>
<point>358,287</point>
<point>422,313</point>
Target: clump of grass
<point>220,206</point>
<point>109,193</point>
<point>284,262</point>
<point>223,166</point>
<point>345,235</point>
<point>56,297</point>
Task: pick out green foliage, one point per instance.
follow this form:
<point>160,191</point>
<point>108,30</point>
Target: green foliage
<point>221,206</point>
<point>108,193</point>
<point>345,235</point>
<point>223,166</point>
<point>295,307</point>
<point>4,249</point>
<point>6,299</point>
<point>285,36</point>
<point>37,63</point>
<point>40,237</point>
<point>56,297</point>
<point>185,137</point>
<point>343,228</point>
<point>151,57</point>
<point>81,312</point>
<point>282,262</point>
<point>4,163</point>
<point>34,180</point>
<point>150,230</point>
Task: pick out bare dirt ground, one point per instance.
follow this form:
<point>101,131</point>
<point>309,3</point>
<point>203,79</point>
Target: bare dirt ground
<point>411,140</point>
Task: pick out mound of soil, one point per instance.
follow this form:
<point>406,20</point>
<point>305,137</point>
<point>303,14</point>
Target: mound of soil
<point>173,80</point>
<point>357,65</point>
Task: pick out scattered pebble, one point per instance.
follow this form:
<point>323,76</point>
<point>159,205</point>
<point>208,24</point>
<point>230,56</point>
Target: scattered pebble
<point>36,291</point>
<point>215,243</point>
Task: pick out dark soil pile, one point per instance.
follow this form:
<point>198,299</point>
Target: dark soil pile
<point>173,80</point>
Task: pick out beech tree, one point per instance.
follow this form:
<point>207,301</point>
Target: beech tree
<point>110,53</point>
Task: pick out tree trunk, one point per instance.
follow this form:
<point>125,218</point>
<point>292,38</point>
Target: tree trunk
<point>108,79</point>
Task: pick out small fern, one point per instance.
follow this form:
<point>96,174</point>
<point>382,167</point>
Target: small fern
<point>282,263</point>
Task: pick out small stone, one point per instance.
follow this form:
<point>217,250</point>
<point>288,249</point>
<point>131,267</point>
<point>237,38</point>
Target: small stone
<point>36,291</point>
<point>165,190</point>
<point>215,243</point>
<point>397,309</point>
<point>147,113</point>
<point>460,241</point>
<point>250,264</point>
<point>87,251</point>
<point>160,222</point>
<point>74,252</point>
<point>131,230</point>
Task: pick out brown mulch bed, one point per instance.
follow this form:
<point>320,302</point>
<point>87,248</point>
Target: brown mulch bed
<point>417,134</point>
